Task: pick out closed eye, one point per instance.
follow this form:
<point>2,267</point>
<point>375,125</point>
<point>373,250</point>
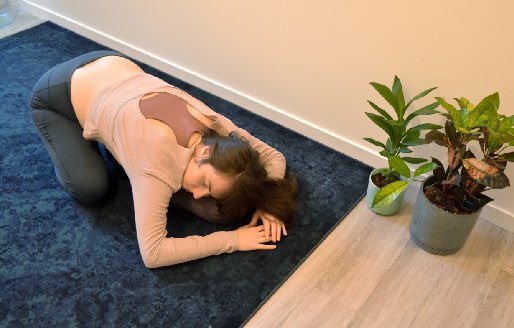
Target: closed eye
<point>207,185</point>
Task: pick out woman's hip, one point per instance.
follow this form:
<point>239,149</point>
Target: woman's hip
<point>53,89</point>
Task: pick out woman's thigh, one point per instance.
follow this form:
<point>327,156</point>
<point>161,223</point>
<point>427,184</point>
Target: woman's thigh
<point>78,162</point>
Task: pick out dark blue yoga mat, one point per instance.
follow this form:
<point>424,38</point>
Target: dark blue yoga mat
<point>67,265</point>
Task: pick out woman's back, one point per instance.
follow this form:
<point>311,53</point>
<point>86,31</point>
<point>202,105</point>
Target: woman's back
<point>88,80</point>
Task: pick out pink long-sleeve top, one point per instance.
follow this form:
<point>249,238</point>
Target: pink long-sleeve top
<point>155,165</point>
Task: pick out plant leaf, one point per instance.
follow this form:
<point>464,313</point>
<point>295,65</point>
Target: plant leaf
<point>397,89</point>
<point>381,123</point>
<point>427,167</point>
<point>387,194</point>
<point>394,123</point>
<point>388,95</point>
<point>385,153</point>
<point>404,150</point>
<point>486,109</point>
<point>439,172</point>
<point>411,138</point>
<point>399,165</point>
<point>375,142</point>
<point>485,174</point>
<point>438,137</point>
<point>381,111</point>
<point>453,136</point>
<point>426,126</point>
<point>420,95</point>
<point>454,113</point>
<point>505,125</point>
<point>389,145</point>
<point>464,104</point>
<point>414,160</point>
<point>427,110</point>
<point>509,157</point>
<point>413,142</point>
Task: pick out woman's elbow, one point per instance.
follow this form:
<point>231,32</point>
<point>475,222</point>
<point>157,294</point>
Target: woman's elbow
<point>149,261</point>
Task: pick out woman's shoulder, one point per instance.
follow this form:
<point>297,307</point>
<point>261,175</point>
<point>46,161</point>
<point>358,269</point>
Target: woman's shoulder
<point>161,131</point>
<point>160,156</point>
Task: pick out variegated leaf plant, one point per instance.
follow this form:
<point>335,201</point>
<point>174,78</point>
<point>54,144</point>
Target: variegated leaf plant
<point>467,177</point>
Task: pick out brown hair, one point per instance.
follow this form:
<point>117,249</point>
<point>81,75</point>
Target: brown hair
<point>233,156</point>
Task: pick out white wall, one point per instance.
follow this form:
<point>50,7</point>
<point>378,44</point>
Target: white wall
<point>307,64</point>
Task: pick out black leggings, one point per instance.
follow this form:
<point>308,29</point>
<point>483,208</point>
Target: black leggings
<point>78,163</point>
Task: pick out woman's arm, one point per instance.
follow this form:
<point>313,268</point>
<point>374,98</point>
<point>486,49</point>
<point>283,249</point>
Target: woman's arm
<point>151,200</point>
<point>151,205</point>
<point>274,161</point>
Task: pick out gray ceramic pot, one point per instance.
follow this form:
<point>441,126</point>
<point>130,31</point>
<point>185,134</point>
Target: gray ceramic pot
<point>437,231</point>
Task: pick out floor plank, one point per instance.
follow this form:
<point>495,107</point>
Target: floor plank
<point>23,21</point>
<point>359,270</point>
<point>300,284</point>
<point>508,266</point>
<point>456,300</point>
<point>403,290</point>
<point>321,310</point>
<point>494,313</point>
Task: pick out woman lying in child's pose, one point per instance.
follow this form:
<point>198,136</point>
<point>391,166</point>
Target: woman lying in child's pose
<point>171,145</point>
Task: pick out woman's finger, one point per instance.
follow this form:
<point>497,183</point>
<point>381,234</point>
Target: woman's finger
<point>266,227</point>
<point>279,230</point>
<point>274,232</point>
<point>255,218</point>
<point>266,247</point>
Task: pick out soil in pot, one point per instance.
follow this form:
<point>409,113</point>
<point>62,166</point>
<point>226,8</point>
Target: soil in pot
<point>381,180</point>
<point>445,200</point>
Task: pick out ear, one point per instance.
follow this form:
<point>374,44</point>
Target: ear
<point>202,151</point>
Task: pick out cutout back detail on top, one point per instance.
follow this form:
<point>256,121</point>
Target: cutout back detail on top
<point>172,111</point>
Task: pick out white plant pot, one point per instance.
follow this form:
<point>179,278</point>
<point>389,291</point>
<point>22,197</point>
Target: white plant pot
<point>390,209</point>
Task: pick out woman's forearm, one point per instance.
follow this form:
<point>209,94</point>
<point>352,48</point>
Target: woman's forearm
<point>151,200</point>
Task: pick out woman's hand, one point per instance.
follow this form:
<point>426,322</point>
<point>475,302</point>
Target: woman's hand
<point>252,238</point>
<point>271,224</point>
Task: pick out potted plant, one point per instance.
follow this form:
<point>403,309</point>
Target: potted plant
<point>449,202</point>
<point>387,185</point>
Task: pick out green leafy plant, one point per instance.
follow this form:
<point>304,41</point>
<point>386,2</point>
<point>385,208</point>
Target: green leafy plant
<point>459,188</point>
<point>400,138</point>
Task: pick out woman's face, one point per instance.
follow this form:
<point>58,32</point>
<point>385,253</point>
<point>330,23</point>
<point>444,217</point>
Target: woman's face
<point>202,180</point>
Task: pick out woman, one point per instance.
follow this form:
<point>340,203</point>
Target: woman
<point>166,141</point>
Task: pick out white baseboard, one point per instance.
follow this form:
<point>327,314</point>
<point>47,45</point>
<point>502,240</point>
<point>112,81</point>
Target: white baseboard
<point>337,142</point>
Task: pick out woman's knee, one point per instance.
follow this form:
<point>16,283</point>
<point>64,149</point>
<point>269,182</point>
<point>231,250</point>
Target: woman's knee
<point>39,96</point>
<point>92,194</point>
<point>86,189</point>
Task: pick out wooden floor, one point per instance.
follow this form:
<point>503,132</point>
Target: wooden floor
<point>368,273</point>
<point>23,21</point>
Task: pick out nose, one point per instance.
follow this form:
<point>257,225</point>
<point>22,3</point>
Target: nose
<point>198,193</point>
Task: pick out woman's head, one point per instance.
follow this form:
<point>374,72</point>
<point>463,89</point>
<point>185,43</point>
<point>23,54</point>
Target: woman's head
<point>203,180</point>
<point>230,170</point>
